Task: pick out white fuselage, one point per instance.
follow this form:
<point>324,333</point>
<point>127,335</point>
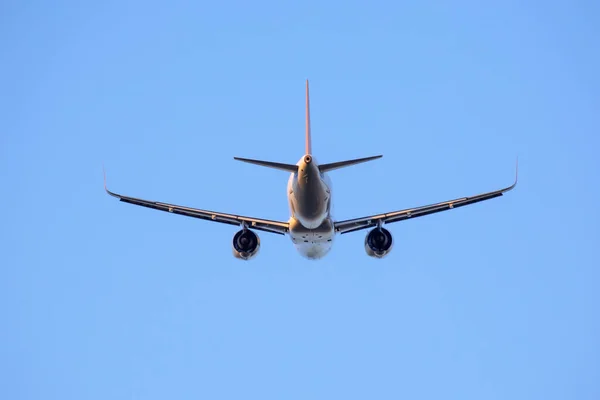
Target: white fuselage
<point>309,195</point>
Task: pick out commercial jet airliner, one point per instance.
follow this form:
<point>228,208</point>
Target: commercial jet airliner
<point>311,226</point>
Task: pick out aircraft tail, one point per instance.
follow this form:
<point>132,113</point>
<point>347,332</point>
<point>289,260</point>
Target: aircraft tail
<point>307,146</point>
<point>270,164</point>
<point>308,150</point>
<point>308,142</point>
<point>347,163</point>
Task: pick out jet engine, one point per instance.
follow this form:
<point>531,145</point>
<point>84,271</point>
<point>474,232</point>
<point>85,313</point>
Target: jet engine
<point>245,244</point>
<point>378,242</point>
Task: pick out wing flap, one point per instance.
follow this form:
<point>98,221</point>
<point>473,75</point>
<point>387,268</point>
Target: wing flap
<point>265,225</point>
<point>352,225</point>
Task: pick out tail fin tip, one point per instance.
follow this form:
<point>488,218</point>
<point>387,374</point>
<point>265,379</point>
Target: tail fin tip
<point>308,141</point>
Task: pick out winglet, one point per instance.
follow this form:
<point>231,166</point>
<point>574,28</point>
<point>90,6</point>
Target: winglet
<point>516,173</point>
<point>106,188</point>
<point>104,173</point>
<point>516,177</point>
<point>308,144</point>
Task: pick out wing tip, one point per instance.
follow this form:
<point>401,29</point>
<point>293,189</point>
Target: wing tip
<point>105,187</point>
<point>516,171</point>
<point>516,177</point>
<point>104,174</point>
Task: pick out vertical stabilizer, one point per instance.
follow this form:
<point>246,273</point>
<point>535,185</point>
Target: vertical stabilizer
<point>308,146</point>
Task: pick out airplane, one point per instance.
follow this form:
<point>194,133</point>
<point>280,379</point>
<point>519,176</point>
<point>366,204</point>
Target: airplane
<point>311,225</point>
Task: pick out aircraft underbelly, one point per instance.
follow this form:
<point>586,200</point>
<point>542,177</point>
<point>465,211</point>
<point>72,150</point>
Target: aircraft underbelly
<point>314,251</point>
<point>312,243</point>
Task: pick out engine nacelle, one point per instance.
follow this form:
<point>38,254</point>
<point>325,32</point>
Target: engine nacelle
<point>245,244</point>
<point>378,242</point>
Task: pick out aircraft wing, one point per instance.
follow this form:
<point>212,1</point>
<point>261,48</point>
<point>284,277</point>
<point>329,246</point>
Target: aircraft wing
<point>265,225</point>
<point>357,224</point>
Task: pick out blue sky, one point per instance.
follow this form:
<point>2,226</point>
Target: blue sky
<point>100,299</point>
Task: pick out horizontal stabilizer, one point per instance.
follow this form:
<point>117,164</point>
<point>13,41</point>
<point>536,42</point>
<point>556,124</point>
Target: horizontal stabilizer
<point>347,163</point>
<point>270,164</point>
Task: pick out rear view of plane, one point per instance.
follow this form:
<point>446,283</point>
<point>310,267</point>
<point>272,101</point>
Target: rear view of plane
<point>311,226</point>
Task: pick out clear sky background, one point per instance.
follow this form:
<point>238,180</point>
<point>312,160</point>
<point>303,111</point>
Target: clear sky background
<point>105,300</point>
